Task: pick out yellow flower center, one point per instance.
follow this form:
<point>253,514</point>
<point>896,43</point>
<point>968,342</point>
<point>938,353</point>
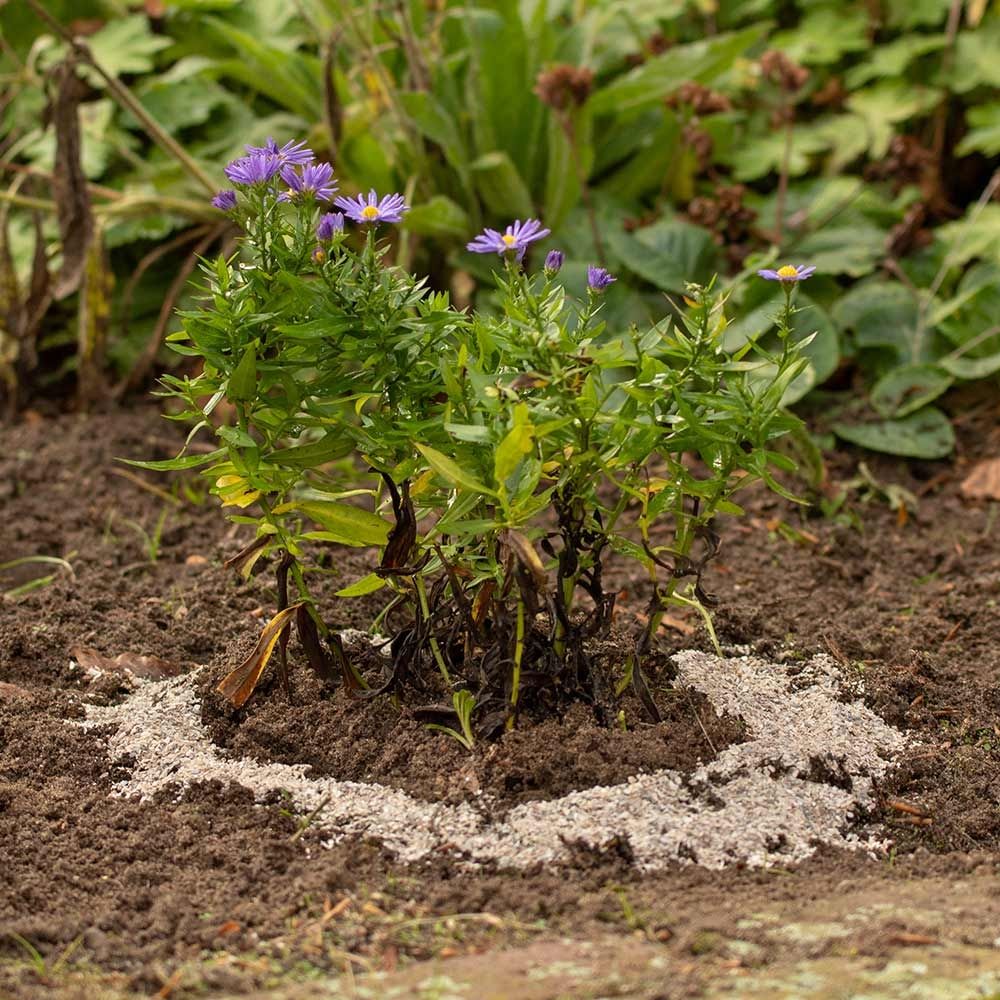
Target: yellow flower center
<point>788,271</point>
<point>370,212</point>
<point>508,239</point>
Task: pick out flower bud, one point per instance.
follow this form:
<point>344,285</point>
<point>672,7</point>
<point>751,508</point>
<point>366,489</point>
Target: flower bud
<point>553,262</point>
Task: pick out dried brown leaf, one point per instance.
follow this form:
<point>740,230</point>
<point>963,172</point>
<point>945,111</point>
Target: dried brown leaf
<point>69,185</point>
<point>239,684</point>
<point>983,482</point>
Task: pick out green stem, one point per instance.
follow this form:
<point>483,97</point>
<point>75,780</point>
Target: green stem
<point>515,684</point>
<point>426,612</point>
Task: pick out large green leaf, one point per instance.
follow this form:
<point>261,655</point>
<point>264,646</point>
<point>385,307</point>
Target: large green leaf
<point>704,61</point>
<point>906,389</point>
<point>667,254</point>
<point>440,216</point>
<point>342,522</point>
<point>881,314</point>
<point>926,434</point>
<point>501,187</point>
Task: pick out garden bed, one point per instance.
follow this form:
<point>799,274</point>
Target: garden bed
<point>904,610</point>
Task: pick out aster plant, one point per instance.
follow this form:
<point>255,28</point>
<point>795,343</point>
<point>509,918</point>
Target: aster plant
<point>489,464</point>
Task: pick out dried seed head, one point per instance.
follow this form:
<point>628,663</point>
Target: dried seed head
<point>564,85</point>
<point>700,99</point>
<point>784,71</point>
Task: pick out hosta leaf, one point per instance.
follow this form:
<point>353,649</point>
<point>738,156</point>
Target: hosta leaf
<point>925,434</point>
<point>667,254</point>
<point>906,389</point>
<point>881,314</point>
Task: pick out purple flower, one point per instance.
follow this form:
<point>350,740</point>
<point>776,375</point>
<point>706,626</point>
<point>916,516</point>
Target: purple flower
<point>329,224</point>
<point>226,200</point>
<point>553,262</point>
<point>390,208</point>
<point>598,279</point>
<point>257,168</point>
<point>515,238</point>
<point>292,151</point>
<point>316,181</point>
<point>318,255</point>
<point>790,272</point>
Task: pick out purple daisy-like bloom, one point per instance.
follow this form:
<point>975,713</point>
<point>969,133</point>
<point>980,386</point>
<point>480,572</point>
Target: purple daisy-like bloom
<point>225,200</point>
<point>553,262</point>
<point>315,180</point>
<point>329,225</point>
<point>515,238</point>
<point>257,168</point>
<point>389,208</point>
<point>790,272</point>
<point>292,152</point>
<point>598,279</point>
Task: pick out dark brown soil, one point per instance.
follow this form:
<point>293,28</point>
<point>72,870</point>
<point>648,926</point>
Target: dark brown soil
<point>146,886</point>
<point>379,742</point>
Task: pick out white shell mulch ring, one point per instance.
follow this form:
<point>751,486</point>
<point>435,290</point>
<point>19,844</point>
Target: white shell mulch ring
<point>796,783</point>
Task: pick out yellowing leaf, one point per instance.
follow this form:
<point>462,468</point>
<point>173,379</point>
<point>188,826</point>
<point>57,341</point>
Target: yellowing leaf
<point>239,684</point>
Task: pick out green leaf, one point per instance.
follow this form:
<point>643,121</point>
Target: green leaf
<point>971,368</point>
<point>243,381</point>
<point>440,217</point>
<point>517,443</point>
<point>125,45</point>
<point>906,389</point>
<point>892,59</point>
<point>976,63</point>
<point>176,464</point>
<point>451,471</point>
<point>881,314</point>
<point>926,434</point>
<point>984,132</point>
<point>825,34</point>
<point>884,105</point>
<point>501,187</point>
<point>702,61</point>
<point>366,585</point>
<point>667,254</point>
<point>972,237</point>
<point>343,522</point>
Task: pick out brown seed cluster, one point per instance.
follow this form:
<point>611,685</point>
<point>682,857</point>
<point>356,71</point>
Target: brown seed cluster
<point>727,218</point>
<point>564,85</point>
<point>784,71</point>
<point>907,162</point>
<point>700,99</point>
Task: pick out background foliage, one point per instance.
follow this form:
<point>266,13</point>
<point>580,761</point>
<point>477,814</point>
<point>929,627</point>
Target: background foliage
<point>663,139</point>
